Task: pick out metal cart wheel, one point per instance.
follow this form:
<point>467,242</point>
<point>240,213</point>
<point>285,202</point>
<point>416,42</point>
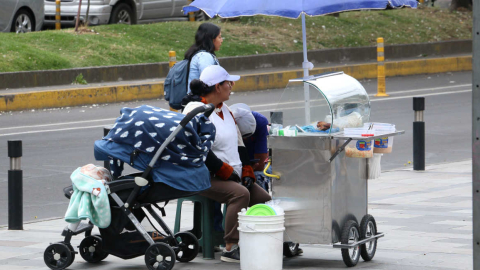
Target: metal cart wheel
<point>350,235</point>
<point>368,228</point>
<point>91,249</point>
<point>160,256</point>
<point>58,256</point>
<point>188,246</point>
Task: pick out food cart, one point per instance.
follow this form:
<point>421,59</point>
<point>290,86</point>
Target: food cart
<point>323,188</point>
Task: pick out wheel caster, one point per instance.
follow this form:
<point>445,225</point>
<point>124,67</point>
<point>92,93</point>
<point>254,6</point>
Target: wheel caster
<point>72,252</point>
<point>368,228</point>
<point>91,249</point>
<point>350,235</point>
<point>58,256</point>
<point>188,246</point>
<point>160,256</point>
<point>290,249</point>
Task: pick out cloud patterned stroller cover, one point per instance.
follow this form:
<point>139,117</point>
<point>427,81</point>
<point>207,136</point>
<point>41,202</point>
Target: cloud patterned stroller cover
<point>181,165</point>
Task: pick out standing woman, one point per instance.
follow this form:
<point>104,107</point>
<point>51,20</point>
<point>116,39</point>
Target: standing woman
<point>232,178</point>
<point>208,40</point>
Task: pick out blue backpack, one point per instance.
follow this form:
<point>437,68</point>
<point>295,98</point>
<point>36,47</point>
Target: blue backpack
<point>176,84</point>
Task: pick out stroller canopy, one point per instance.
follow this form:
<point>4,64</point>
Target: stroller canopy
<point>138,133</point>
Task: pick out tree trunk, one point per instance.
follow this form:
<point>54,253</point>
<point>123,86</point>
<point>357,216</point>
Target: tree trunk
<point>86,17</point>
<point>78,15</point>
<point>455,4</point>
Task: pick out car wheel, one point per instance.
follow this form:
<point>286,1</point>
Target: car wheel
<point>122,14</point>
<point>23,22</point>
<point>201,16</point>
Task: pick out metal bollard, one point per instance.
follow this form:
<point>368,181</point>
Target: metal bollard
<point>15,186</point>
<point>419,134</point>
<point>381,89</point>
<point>57,15</point>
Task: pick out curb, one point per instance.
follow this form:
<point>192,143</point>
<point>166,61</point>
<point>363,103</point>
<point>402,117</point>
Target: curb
<point>252,82</point>
<point>33,221</point>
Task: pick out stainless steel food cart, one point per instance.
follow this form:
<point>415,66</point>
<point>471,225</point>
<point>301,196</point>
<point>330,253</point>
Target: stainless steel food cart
<point>323,191</point>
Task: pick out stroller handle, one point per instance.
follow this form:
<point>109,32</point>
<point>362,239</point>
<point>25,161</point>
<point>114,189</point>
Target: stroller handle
<point>207,109</point>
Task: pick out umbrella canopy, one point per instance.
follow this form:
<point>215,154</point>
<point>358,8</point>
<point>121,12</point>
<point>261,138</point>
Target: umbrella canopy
<point>289,8</point>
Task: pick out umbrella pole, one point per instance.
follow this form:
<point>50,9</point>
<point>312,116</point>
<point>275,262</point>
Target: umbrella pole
<point>305,65</point>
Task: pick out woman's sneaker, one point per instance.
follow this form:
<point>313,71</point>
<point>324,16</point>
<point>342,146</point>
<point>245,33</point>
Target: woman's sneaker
<point>231,256</point>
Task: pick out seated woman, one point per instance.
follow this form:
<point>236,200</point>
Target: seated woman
<point>233,180</point>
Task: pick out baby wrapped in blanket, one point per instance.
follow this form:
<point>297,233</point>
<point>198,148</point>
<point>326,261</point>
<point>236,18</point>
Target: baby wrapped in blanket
<point>90,197</point>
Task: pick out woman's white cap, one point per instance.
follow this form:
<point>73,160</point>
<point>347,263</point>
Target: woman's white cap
<point>214,74</point>
<point>245,120</point>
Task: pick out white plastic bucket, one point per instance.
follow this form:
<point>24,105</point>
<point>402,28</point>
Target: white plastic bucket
<point>261,242</point>
<point>374,168</point>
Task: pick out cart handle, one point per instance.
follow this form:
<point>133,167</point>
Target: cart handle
<point>267,174</point>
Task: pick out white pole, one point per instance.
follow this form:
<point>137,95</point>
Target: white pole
<point>306,87</point>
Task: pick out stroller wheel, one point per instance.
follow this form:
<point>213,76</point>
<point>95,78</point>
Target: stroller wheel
<point>160,256</point>
<point>188,246</point>
<point>72,252</point>
<point>58,256</point>
<point>91,249</point>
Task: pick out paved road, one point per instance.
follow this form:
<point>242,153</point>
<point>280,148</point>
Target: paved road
<point>57,141</point>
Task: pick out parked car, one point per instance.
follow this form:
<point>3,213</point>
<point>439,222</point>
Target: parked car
<point>116,11</point>
<point>21,16</point>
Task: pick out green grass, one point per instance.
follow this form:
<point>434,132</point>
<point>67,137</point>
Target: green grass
<point>120,44</point>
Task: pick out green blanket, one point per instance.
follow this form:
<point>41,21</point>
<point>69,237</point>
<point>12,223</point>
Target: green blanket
<point>84,204</point>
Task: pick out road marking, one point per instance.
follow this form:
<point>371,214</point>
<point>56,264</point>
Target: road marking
<point>378,99</point>
<point>253,106</point>
<point>59,124</point>
<point>370,95</point>
<point>424,89</point>
<point>425,95</point>
<point>49,130</point>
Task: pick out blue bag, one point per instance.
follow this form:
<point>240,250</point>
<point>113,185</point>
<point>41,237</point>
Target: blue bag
<point>175,85</point>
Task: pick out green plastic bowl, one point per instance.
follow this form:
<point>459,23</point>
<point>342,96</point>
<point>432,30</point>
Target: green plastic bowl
<point>261,210</point>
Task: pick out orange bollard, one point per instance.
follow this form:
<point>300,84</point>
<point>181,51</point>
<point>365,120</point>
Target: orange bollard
<point>57,15</point>
<point>381,89</point>
<point>172,60</point>
<point>191,15</point>
<point>172,55</point>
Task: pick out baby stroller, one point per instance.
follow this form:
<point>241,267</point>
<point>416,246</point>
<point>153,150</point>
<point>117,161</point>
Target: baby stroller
<point>125,237</point>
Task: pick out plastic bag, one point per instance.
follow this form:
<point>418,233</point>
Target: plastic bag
<point>349,121</point>
<point>275,204</point>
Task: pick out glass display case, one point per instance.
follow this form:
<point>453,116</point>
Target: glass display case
<point>335,99</point>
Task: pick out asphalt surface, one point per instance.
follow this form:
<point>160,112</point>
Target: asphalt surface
<point>57,141</point>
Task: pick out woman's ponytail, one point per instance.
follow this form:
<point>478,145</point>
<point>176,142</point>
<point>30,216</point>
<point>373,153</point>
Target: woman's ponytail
<point>199,89</point>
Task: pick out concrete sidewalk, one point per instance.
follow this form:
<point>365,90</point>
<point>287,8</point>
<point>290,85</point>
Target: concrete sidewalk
<point>426,216</point>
